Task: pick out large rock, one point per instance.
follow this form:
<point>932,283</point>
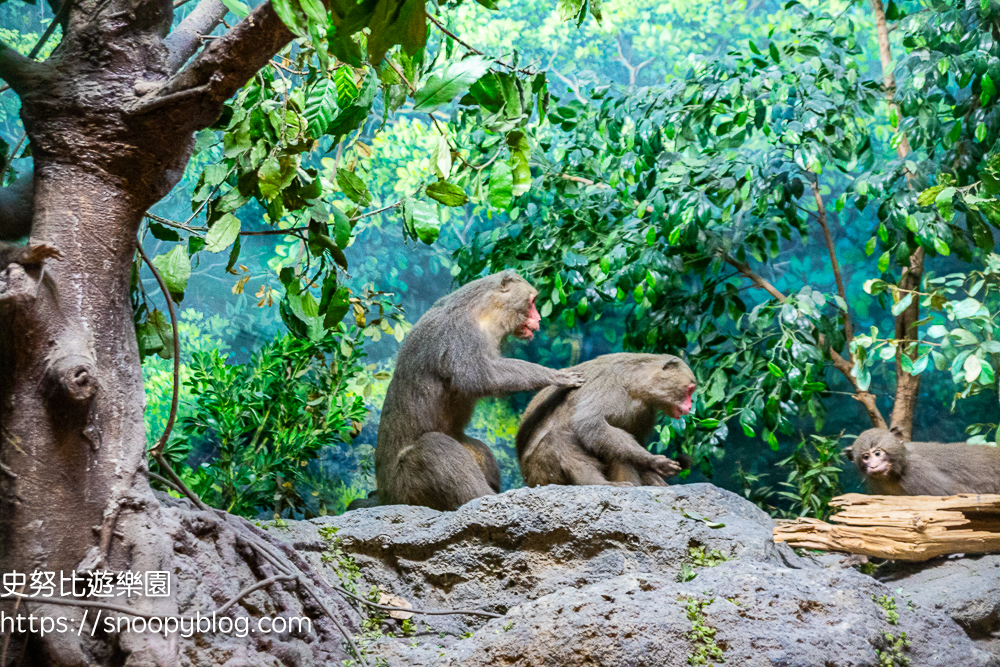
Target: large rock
<point>965,588</point>
<point>755,614</point>
<point>497,552</point>
<point>602,576</point>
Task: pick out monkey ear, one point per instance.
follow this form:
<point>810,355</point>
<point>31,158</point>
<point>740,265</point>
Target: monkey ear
<point>896,431</point>
<point>506,278</point>
<point>849,453</point>
<point>672,361</point>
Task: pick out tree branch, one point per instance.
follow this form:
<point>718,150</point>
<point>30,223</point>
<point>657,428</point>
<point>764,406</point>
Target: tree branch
<point>229,62</point>
<point>866,398</point>
<point>185,39</point>
<point>821,208</point>
<point>21,73</point>
<point>907,386</point>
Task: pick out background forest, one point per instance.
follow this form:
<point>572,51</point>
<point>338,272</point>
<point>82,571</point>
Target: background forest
<point>737,182</point>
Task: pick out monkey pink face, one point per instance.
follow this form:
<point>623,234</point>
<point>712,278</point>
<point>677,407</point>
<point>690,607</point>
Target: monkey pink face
<point>532,323</point>
<point>678,411</point>
<point>876,463</point>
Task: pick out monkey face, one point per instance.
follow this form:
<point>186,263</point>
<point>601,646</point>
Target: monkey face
<point>532,322</point>
<point>878,453</point>
<point>875,463</point>
<point>671,385</point>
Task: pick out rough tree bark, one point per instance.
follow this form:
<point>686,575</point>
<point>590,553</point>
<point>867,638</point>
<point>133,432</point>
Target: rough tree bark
<point>907,386</point>
<point>110,117</point>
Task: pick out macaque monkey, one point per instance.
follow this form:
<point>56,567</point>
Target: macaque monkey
<point>892,467</point>
<point>447,363</point>
<point>596,434</point>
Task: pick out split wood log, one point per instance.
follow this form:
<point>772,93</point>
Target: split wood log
<point>913,528</point>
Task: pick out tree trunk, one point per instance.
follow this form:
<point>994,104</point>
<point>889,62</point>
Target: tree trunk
<point>71,393</point>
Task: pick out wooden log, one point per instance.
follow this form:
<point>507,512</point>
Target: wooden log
<point>910,528</point>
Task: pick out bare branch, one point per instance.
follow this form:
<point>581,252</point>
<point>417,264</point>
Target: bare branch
<point>229,62</point>
<point>185,39</point>
<point>572,85</point>
<point>469,47</point>
<point>821,208</point>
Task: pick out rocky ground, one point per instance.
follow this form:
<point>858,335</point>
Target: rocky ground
<point>605,576</point>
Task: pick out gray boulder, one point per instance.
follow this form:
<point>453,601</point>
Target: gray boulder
<point>497,552</point>
<point>965,588</point>
<point>607,576</point>
<point>744,612</point>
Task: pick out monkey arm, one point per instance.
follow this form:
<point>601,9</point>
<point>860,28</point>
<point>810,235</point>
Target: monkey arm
<point>500,375</point>
<point>608,443</point>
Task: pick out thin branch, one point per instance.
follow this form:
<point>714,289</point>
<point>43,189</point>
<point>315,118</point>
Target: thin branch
<point>831,249</point>
<point>10,158</point>
<point>377,211</point>
<point>572,85</point>
<point>198,231</point>
<point>158,102</point>
<point>229,62</point>
<point>185,39</point>
<point>157,451</point>
<point>264,583</point>
<point>6,635</point>
<point>57,20</point>
<point>469,47</point>
<point>165,482</point>
<point>292,231</point>
<point>865,397</point>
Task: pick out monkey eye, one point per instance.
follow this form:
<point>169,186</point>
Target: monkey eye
<point>864,457</point>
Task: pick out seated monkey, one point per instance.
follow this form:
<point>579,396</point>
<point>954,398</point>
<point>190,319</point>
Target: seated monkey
<point>595,434</point>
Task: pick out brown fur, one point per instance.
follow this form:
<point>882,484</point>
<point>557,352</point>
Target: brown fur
<point>595,434</point>
<point>892,467</point>
<point>448,362</point>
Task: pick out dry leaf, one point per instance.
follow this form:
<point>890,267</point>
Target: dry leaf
<point>392,600</point>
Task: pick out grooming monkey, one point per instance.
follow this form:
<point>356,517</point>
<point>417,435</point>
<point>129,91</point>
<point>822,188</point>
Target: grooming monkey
<point>595,434</point>
<point>448,362</point>
<point>892,467</point>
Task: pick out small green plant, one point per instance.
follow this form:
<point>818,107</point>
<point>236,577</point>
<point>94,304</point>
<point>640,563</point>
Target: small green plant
<point>813,479</point>
<point>888,603</point>
<point>257,426</point>
<point>706,650</point>
<point>334,555</point>
<point>893,656</point>
<point>698,556</point>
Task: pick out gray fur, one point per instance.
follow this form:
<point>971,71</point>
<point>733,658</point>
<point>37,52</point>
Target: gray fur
<point>925,468</point>
<point>447,363</point>
<point>596,434</point>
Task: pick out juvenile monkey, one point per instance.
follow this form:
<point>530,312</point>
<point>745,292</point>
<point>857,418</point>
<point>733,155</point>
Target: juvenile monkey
<point>595,434</point>
<point>892,467</point>
<point>448,362</point>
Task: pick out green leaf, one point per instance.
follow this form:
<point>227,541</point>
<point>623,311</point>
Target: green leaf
<point>973,366</point>
<point>163,233</point>
<point>941,246</point>
<point>902,305</point>
<point>175,269</point>
<point>928,196</point>
<point>236,7</point>
<point>519,152</point>
<point>290,14</point>
<point>341,227</point>
<point>454,80</point>
<point>275,174</point>
<point>883,263</point>
<point>422,219</point>
<point>321,106</point>
<point>223,233</point>
<point>774,52</point>
<point>501,185</point>
<point>353,187</point>
<point>773,368</point>
<point>447,193</point>
<point>314,11</point>
<point>870,246</point>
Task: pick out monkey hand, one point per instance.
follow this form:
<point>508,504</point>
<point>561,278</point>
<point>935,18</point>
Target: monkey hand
<point>664,466</point>
<point>36,254</point>
<point>568,379</point>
